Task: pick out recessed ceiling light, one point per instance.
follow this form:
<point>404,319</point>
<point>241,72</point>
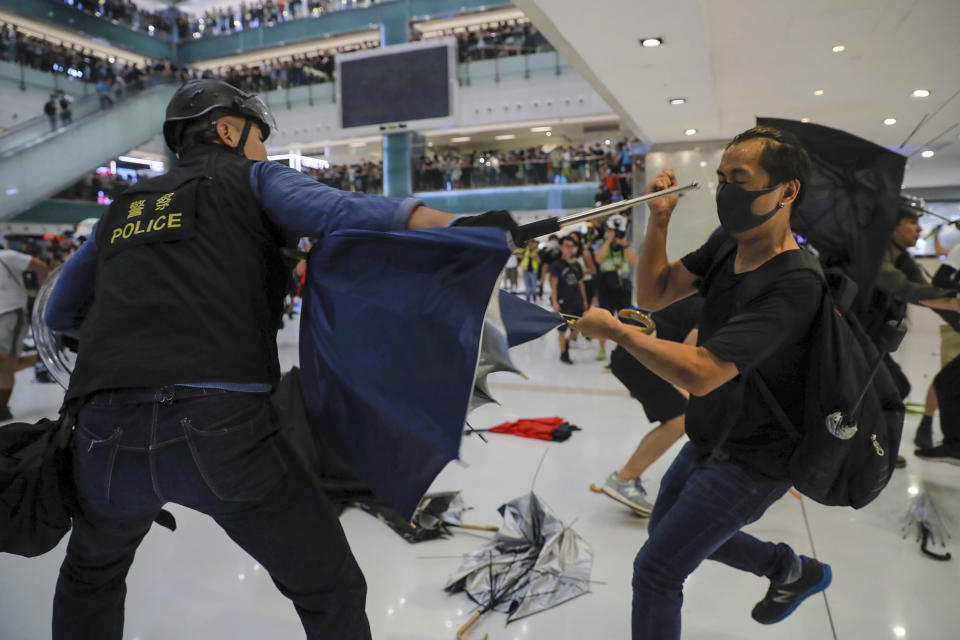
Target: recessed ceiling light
<point>651,42</point>
<point>607,141</point>
<point>703,163</point>
<point>818,92</point>
<point>889,121</point>
<point>839,48</point>
<point>677,100</point>
<point>804,119</point>
<point>460,139</point>
<point>690,132</point>
<point>920,93</point>
<point>927,154</point>
<point>540,129</point>
<point>506,136</point>
<point>549,134</point>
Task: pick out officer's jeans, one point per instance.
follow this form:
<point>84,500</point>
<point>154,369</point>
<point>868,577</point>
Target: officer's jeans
<point>219,453</point>
<point>698,514</point>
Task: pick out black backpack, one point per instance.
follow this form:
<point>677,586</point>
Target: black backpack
<point>36,486</point>
<point>847,445</point>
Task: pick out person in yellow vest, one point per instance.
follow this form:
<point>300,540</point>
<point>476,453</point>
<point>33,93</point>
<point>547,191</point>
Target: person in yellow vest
<point>530,265</point>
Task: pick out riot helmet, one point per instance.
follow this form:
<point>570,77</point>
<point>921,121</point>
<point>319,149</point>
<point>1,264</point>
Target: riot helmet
<point>213,99</point>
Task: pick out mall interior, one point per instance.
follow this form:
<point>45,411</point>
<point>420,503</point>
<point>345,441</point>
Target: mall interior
<point>541,108</point>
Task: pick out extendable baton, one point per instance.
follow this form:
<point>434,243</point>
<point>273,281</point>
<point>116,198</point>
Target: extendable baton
<point>551,225</point>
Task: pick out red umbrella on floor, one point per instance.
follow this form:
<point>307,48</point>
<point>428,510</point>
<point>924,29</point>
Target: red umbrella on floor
<point>554,428</point>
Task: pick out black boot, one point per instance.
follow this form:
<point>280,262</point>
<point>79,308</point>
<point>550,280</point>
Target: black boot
<point>924,437</point>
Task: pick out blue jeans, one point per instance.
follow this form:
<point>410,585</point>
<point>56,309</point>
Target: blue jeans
<point>220,453</point>
<point>531,284</point>
<point>698,514</point>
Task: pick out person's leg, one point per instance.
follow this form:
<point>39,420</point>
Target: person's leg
<point>117,509</point>
<point>713,503</point>
<point>924,435</point>
<point>295,535</point>
<point>653,445</point>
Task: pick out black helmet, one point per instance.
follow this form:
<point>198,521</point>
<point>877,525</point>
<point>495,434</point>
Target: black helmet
<point>910,207</point>
<point>200,97</point>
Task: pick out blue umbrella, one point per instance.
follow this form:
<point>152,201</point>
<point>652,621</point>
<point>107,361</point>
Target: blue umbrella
<point>389,347</point>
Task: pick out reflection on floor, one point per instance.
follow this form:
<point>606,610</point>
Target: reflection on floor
<point>195,583</point>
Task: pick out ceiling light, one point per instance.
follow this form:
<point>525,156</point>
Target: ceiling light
<point>607,141</point>
<point>460,139</point>
<point>690,132</point>
<point>920,93</point>
<point>818,92</point>
<point>889,121</point>
<point>677,100</point>
<point>651,42</point>
<point>899,632</point>
<point>506,136</point>
<point>927,154</point>
<point>540,129</point>
<point>839,48</point>
<point>549,134</point>
<point>804,119</point>
<point>703,163</point>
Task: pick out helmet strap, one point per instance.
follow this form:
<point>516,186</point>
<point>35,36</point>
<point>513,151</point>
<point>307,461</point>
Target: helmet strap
<point>243,137</point>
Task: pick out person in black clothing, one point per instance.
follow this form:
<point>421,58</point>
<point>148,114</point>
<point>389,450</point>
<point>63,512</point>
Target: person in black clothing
<point>50,109</point>
<point>715,487</point>
<point>567,292</point>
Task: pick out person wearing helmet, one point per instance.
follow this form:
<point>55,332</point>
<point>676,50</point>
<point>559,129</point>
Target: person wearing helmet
<point>902,281</point>
<point>178,356</point>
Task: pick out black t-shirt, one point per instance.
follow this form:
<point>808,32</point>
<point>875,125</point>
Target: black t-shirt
<point>771,334</point>
<point>568,275</point>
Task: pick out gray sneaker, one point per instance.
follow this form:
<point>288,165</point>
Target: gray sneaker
<point>629,493</point>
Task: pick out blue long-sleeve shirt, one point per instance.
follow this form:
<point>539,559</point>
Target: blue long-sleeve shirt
<point>298,204</point>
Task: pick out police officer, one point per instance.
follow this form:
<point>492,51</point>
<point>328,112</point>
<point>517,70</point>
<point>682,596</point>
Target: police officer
<point>177,358</point>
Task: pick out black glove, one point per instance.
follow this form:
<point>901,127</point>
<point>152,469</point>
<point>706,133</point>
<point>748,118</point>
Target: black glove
<point>500,218</point>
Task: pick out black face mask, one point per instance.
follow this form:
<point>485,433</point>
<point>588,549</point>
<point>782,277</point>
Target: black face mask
<point>734,207</point>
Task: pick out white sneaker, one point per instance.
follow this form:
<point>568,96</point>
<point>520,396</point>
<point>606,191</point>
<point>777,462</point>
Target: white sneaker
<point>629,493</point>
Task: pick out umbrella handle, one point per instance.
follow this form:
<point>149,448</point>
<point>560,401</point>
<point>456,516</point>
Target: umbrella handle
<point>462,631</point>
<point>477,527</point>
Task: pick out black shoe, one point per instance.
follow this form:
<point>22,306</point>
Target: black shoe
<point>782,599</point>
<point>5,414</point>
<point>565,357</point>
<point>924,437</point>
<point>943,453</point>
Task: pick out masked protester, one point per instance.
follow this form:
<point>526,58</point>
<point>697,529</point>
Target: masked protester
<point>177,359</point>
<point>715,487</point>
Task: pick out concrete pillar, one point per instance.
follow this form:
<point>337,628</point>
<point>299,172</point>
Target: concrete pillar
<point>397,168</point>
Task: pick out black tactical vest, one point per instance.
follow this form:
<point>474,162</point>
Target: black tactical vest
<point>190,282</point>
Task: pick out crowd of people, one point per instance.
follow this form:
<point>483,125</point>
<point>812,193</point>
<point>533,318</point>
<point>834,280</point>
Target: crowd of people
<point>214,21</point>
<point>609,165</point>
<point>361,177</point>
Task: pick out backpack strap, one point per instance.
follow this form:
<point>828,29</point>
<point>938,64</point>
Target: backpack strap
<point>753,285</point>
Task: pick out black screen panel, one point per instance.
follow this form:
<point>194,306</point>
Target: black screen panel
<point>400,87</point>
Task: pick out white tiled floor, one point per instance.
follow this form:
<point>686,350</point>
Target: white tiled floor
<point>195,583</point>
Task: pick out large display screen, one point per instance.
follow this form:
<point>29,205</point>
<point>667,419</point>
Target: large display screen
<point>396,85</point>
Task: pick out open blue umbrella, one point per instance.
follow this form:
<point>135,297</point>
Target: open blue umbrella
<point>390,346</point>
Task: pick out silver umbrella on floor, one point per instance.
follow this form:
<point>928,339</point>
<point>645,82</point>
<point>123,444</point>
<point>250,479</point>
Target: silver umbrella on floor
<point>931,529</point>
<point>534,562</point>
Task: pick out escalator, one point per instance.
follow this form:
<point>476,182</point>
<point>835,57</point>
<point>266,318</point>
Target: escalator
<point>38,160</point>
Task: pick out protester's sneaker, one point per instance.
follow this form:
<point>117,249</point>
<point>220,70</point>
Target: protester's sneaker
<point>782,599</point>
<point>601,355</point>
<point>565,357</point>
<point>629,493</point>
<point>942,453</point>
<point>924,437</point>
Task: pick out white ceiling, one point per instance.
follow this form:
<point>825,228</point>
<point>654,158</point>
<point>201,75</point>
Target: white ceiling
<point>736,59</point>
